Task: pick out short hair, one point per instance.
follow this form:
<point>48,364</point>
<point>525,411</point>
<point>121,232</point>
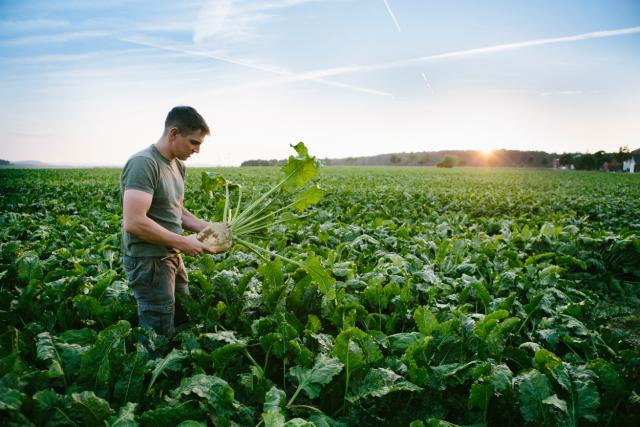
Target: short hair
<point>187,120</point>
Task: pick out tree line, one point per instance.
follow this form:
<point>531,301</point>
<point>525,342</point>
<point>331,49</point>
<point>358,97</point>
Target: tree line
<point>477,158</point>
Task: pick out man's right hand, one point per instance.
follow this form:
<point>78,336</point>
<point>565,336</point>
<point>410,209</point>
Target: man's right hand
<point>192,246</point>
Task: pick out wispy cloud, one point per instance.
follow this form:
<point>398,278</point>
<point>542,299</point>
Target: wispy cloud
<point>393,16</point>
<point>329,72</point>
<point>75,57</point>
<point>485,50</point>
<point>236,20</point>
<point>285,76</point>
<point>321,75</point>
<point>33,24</point>
<point>563,92</point>
<point>53,38</point>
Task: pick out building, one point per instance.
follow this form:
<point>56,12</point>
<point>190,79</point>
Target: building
<point>633,164</point>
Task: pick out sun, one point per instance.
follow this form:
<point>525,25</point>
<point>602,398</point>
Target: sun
<point>487,151</point>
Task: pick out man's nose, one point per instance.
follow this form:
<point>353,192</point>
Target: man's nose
<point>196,149</point>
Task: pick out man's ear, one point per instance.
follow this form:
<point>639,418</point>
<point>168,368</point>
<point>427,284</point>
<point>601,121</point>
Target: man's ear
<point>173,132</point>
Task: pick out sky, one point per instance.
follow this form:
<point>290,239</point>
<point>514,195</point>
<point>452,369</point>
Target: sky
<point>91,82</point>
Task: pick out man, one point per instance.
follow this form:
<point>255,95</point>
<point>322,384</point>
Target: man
<point>152,192</point>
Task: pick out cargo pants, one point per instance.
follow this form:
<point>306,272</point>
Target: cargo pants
<point>155,281</point>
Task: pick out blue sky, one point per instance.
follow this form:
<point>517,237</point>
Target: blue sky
<point>91,82</point>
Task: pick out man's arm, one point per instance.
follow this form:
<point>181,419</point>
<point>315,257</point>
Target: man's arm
<point>135,205</point>
<point>191,222</point>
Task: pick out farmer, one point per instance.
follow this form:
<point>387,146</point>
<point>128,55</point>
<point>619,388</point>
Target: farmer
<point>152,195</point>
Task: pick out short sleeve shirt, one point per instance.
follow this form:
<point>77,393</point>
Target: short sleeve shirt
<point>152,173</point>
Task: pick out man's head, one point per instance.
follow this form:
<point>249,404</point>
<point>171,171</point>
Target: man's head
<point>187,120</point>
<point>185,130</point>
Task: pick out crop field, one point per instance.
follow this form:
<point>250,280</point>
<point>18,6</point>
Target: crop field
<point>457,297</point>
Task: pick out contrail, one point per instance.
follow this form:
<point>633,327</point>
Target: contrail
<point>427,82</point>
<point>285,75</point>
<point>335,71</point>
<point>393,16</point>
<point>481,50</point>
<point>320,75</point>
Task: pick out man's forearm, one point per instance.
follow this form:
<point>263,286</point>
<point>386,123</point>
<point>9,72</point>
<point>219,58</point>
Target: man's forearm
<point>191,222</point>
<point>150,231</point>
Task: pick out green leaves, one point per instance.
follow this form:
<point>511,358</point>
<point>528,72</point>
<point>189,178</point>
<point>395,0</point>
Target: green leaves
<point>356,349</point>
<point>311,380</point>
<point>47,351</point>
<point>30,268</point>
<point>216,392</point>
<point>129,384</point>
<point>10,399</point>
<point>171,362</point>
<point>75,409</point>
<point>379,382</point>
<point>402,295</point>
<point>125,418</point>
<point>581,389</point>
<point>308,197</point>
<point>273,284</point>
<point>425,320</point>
<point>300,169</point>
<point>99,363</point>
<point>319,275</point>
<point>534,388</point>
<point>273,408</point>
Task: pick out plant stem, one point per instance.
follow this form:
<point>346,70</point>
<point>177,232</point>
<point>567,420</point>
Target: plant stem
<point>239,200</point>
<point>311,408</point>
<point>294,396</point>
<point>246,353</point>
<point>255,203</point>
<point>258,248</point>
<point>247,221</point>
<point>244,231</point>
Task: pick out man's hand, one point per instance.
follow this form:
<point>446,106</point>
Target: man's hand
<point>217,236</point>
<point>192,246</point>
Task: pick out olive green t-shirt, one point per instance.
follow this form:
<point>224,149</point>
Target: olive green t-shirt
<point>150,172</point>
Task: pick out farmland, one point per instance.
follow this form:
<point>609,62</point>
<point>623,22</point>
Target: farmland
<point>466,296</point>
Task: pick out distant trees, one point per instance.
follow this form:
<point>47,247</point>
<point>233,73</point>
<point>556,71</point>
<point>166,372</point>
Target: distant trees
<point>424,160</point>
<point>566,159</point>
<point>447,162</point>
<point>259,162</point>
<point>4,162</point>
<point>475,158</point>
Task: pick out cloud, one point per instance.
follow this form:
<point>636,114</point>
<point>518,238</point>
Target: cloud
<point>335,71</point>
<point>321,74</point>
<point>486,50</point>
<point>74,57</point>
<point>234,20</point>
<point>563,92</point>
<point>285,75</point>
<point>33,24</point>
<point>54,38</point>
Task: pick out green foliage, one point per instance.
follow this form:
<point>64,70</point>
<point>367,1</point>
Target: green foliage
<point>415,297</point>
<point>311,380</point>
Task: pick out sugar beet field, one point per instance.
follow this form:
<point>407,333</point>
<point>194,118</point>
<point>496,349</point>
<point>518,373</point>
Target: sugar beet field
<point>458,297</point>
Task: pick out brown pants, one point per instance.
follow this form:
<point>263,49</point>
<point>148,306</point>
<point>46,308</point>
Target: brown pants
<point>155,281</point>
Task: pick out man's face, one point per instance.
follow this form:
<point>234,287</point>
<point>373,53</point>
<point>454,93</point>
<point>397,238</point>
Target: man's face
<point>185,146</point>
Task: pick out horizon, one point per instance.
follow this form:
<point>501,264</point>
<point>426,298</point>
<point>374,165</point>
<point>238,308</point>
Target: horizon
<point>35,164</point>
<point>91,83</point>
